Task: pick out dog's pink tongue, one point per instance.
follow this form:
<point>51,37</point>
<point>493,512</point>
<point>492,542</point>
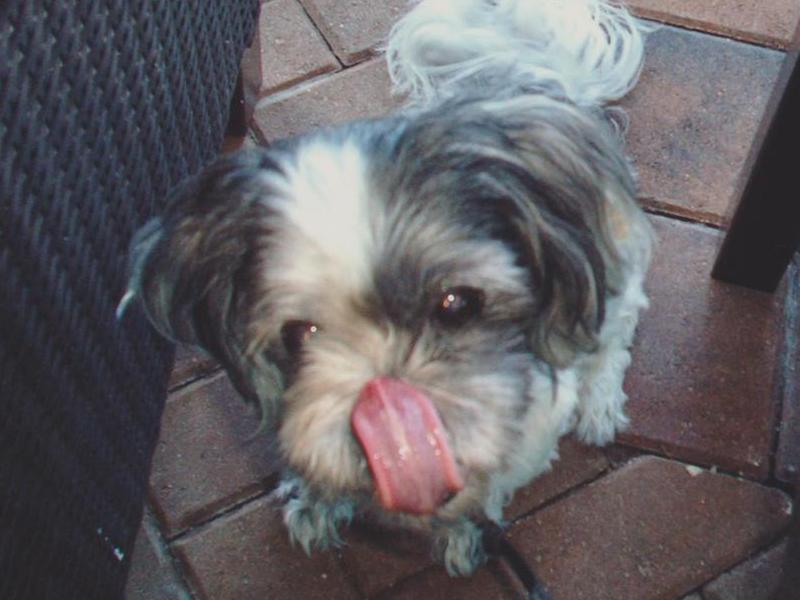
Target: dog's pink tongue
<point>405,445</point>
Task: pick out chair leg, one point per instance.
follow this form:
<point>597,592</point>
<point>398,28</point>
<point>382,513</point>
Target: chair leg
<point>237,121</point>
<point>765,230</point>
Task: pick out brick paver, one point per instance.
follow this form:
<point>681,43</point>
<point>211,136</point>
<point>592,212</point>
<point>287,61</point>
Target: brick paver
<point>769,22</point>
<point>577,464</point>
<point>355,28</point>
<point>756,579</point>
<point>361,92</point>
<point>702,382</point>
<point>190,365</point>
<point>493,582</point>
<point>287,49</point>
<point>246,555</point>
<point>693,117</point>
<point>655,529</point>
<point>377,560</point>
<point>207,458</point>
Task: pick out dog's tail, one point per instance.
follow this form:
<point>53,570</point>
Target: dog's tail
<point>586,51</point>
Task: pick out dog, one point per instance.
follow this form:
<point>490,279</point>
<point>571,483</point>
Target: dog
<point>423,304</point>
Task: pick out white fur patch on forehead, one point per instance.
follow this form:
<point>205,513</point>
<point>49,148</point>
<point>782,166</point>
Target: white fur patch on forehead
<point>326,207</point>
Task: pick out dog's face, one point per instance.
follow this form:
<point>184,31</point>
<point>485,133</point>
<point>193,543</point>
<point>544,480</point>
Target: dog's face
<point>437,263</point>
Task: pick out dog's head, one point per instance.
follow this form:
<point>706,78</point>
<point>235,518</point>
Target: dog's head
<point>387,291</point>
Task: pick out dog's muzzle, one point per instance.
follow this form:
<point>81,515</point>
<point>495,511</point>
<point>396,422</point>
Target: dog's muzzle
<point>406,446</point>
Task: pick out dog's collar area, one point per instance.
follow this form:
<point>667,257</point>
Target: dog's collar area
<point>497,546</point>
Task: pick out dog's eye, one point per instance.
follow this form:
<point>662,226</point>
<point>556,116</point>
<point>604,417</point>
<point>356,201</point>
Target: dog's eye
<point>296,333</point>
<point>459,305</point>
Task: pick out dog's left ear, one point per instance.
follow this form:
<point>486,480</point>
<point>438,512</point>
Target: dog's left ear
<point>567,276</point>
<point>194,268</point>
<point>556,199</point>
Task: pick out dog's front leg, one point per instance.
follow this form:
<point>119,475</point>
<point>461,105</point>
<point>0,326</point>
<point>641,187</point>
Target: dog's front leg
<point>601,412</point>
<point>460,547</point>
<point>312,523</point>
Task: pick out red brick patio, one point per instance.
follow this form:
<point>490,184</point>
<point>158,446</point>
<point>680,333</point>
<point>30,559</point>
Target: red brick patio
<point>689,503</point>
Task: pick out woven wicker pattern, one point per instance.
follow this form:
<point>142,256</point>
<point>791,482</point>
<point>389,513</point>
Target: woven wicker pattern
<point>104,106</point>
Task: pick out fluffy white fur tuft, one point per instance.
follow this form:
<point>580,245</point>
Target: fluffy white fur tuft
<point>587,51</point>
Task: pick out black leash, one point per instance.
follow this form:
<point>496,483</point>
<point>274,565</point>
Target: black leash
<point>498,546</point>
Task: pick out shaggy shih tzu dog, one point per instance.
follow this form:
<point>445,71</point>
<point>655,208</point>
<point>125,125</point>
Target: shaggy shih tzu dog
<point>423,304</point>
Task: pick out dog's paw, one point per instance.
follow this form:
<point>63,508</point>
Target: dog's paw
<point>462,549</point>
<point>311,523</point>
<point>599,425</point>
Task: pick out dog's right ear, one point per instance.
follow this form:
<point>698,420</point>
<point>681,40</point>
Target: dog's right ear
<point>195,268</point>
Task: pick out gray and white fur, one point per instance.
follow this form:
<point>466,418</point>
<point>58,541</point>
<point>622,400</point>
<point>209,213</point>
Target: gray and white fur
<point>315,265</point>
